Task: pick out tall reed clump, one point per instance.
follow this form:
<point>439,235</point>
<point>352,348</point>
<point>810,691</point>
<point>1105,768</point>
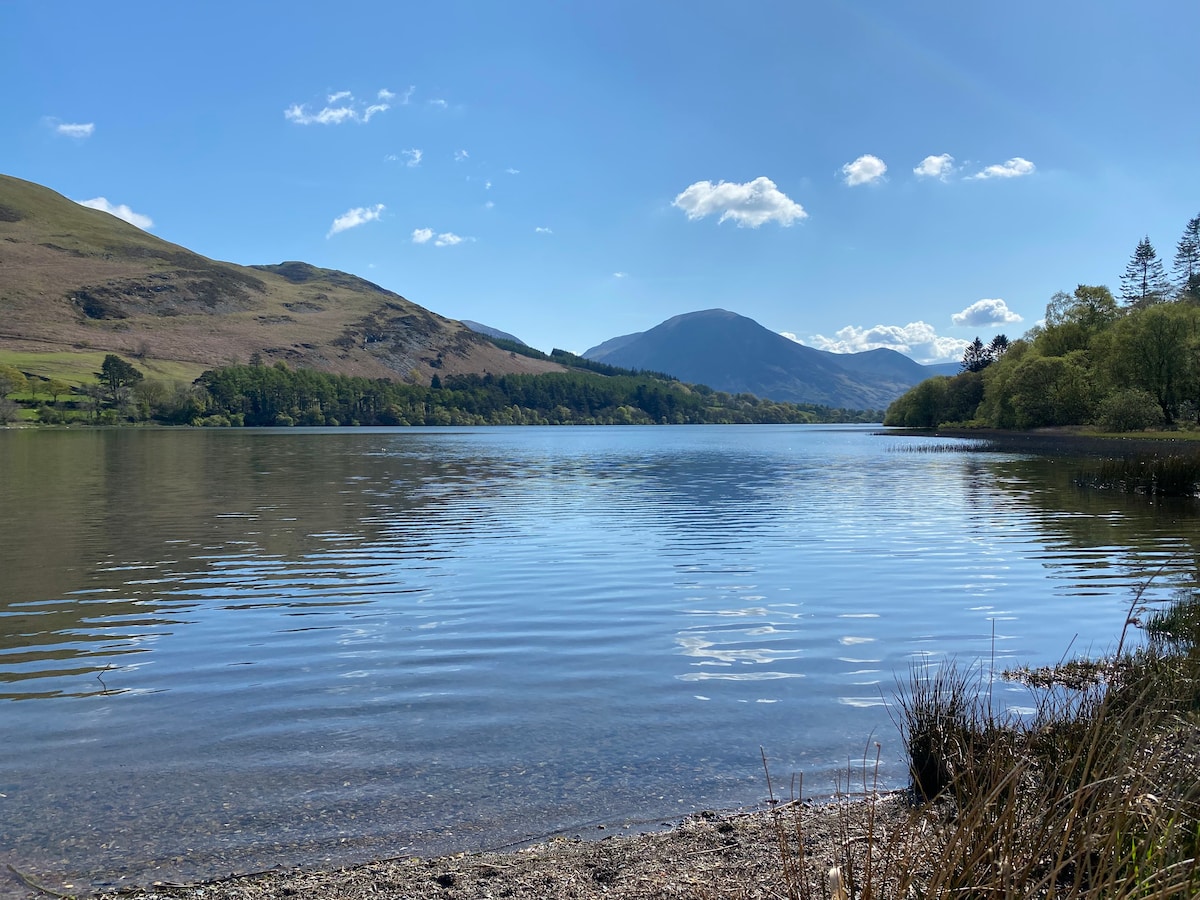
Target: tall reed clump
<point>1096,794</point>
<point>1156,475</point>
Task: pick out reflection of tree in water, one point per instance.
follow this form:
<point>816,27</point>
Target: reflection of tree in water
<point>1130,537</point>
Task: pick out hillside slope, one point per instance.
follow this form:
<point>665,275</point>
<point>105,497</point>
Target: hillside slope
<point>78,278</point>
<point>735,354</point>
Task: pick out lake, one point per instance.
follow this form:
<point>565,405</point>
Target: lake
<point>222,650</point>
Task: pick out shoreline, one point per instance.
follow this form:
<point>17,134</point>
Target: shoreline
<point>706,855</point>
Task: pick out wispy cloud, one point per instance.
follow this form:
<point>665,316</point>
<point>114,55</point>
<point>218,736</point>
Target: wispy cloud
<point>748,205</point>
<point>413,157</point>
<point>540,230</point>
<point>983,313</point>
<point>940,167</point>
<point>385,95</point>
<point>448,239</point>
<point>460,155</point>
<point>919,340</point>
<point>511,171</point>
<point>620,274</point>
<point>339,107</point>
<point>407,95</point>
<point>867,169</point>
<point>120,210</point>
<point>422,235</point>
<point>76,130</point>
<point>487,185</point>
<point>1014,168</point>
<point>439,103</point>
<point>354,217</point>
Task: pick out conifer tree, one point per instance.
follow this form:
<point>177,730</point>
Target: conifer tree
<point>1144,281</point>
<point>1187,262</point>
<point>976,357</point>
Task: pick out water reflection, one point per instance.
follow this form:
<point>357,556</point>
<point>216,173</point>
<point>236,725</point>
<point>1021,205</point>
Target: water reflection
<point>290,647</point>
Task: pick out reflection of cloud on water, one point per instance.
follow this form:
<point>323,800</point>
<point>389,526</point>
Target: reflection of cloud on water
<point>851,640</point>
<point>737,676</point>
<point>711,654</point>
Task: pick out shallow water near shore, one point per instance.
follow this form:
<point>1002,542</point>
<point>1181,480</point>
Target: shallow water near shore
<point>226,650</point>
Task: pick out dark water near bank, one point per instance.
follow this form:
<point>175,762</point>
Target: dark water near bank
<point>222,650</point>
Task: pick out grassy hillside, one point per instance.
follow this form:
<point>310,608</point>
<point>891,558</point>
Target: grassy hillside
<point>81,281</point>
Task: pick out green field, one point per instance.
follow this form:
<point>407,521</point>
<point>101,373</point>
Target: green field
<point>80,367</point>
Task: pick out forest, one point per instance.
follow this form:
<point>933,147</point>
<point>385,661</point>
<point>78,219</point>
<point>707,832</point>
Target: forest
<point>1119,365</point>
<point>277,395</point>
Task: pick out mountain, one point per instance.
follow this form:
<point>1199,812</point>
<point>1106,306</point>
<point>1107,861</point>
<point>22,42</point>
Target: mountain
<point>491,332</point>
<point>735,354</point>
<point>78,279</point>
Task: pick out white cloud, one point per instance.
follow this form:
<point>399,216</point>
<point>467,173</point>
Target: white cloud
<point>790,336</point>
<point>354,217</point>
<point>445,239</point>
<point>487,185</point>
<point>489,204</point>
<point>385,94</point>
<point>540,230</point>
<point>121,211</point>
<point>513,171</point>
<point>414,157</point>
<point>349,110</point>
<point>982,313</point>
<point>867,169</point>
<point>460,155</point>
<point>1014,168</point>
<point>620,274</point>
<point>916,339</point>
<point>939,167</point>
<point>77,130</point>
<point>407,96</point>
<point>750,204</point>
<point>438,102</point>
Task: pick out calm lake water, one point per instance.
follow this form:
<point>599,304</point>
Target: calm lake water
<point>222,650</point>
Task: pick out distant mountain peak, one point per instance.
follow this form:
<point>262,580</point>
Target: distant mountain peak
<point>733,353</point>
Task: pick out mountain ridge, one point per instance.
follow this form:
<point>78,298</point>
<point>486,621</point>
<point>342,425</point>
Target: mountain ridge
<point>77,278</point>
<point>732,353</point>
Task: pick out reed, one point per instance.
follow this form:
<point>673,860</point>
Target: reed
<point>1097,794</point>
<point>1156,475</point>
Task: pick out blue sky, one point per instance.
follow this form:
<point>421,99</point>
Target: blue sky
<point>905,174</point>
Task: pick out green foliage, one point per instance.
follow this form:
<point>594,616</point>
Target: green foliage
<point>1092,362</point>
<point>277,395</point>
<point>116,375</point>
<point>578,362</point>
<point>12,381</point>
<point>1131,409</point>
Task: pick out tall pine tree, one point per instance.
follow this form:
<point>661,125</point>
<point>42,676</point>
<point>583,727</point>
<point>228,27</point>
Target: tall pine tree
<point>1144,281</point>
<point>1187,263</point>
